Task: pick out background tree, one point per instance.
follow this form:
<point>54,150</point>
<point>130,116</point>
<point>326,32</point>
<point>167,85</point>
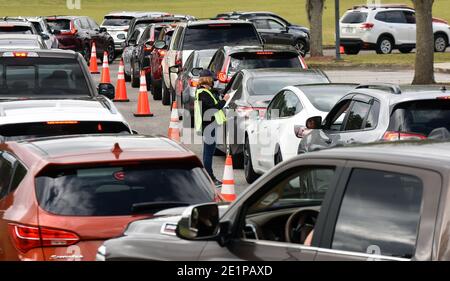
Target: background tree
<point>314,9</point>
<point>424,66</point>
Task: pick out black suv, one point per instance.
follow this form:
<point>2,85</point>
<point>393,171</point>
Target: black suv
<point>274,29</point>
<point>381,112</point>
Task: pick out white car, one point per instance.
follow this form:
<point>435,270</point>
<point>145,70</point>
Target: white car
<point>25,119</point>
<point>384,28</point>
<point>41,26</point>
<point>275,137</point>
<point>22,42</point>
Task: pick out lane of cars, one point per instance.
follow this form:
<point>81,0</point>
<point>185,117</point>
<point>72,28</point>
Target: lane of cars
<point>71,164</point>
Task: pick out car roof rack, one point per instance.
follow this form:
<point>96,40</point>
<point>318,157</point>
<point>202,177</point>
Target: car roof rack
<point>383,6</point>
<point>393,88</point>
<point>14,19</point>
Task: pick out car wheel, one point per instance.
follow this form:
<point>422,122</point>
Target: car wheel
<point>301,47</point>
<point>440,43</point>
<point>86,53</point>
<point>385,45</point>
<point>156,91</point>
<point>165,95</point>
<point>278,157</point>
<point>405,50</point>
<point>352,50</point>
<point>250,174</point>
<point>111,53</point>
<point>238,160</point>
<point>127,77</point>
<point>135,81</point>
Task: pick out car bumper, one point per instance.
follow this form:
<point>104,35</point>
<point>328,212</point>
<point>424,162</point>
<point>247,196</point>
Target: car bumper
<point>357,43</point>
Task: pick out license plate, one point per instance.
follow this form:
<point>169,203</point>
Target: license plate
<point>349,30</point>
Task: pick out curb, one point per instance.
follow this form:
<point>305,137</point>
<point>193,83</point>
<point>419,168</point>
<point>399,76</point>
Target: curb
<point>442,70</point>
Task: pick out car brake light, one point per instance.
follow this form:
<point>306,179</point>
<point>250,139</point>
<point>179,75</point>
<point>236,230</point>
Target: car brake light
<point>394,136</point>
<point>443,98</point>
<point>162,53</point>
<point>26,238</point>
<point>223,78</point>
<point>193,83</point>
<point>20,54</point>
<point>367,25</point>
<point>264,53</point>
<point>62,122</point>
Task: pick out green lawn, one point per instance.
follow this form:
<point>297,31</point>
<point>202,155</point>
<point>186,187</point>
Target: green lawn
<point>292,10</point>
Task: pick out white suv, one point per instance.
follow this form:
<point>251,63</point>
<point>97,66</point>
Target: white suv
<point>384,28</point>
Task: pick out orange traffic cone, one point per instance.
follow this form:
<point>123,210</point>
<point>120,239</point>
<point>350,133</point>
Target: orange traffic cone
<point>143,106</point>
<point>121,88</point>
<point>93,67</point>
<point>174,126</point>
<point>106,77</point>
<point>341,50</point>
<point>227,191</point>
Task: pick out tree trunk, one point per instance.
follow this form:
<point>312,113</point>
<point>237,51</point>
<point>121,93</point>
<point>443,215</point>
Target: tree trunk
<point>424,67</point>
<point>314,10</point>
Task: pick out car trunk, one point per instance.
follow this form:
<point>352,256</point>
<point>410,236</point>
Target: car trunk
<point>352,24</point>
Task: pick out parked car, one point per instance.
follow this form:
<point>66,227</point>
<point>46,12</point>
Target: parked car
<point>129,46</point>
<point>384,28</point>
<point>229,60</point>
<point>364,203</point>
<point>21,41</point>
<point>201,35</point>
<point>54,74</point>
<point>42,28</point>
<point>274,29</point>
<point>61,197</point>
<point>77,33</point>
<point>275,137</point>
<point>187,82</point>
<point>156,59</point>
<point>380,112</point>
<point>19,25</point>
<point>118,23</point>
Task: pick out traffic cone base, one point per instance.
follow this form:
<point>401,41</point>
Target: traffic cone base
<point>228,192</point>
<point>143,105</point>
<point>143,115</point>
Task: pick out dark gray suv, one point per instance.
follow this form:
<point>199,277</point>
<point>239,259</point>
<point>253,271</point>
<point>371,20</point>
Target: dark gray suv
<point>381,112</point>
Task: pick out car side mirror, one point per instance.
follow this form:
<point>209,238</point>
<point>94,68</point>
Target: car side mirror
<point>107,90</point>
<point>199,222</point>
<point>314,122</point>
<point>159,44</point>
<point>174,69</point>
<point>45,36</point>
<point>102,29</point>
<point>196,71</point>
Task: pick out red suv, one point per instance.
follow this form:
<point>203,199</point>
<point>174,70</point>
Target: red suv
<point>77,33</point>
<point>61,197</point>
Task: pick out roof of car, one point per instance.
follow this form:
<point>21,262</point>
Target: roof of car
<point>15,36</point>
<point>133,13</point>
<point>29,111</point>
<point>206,22</point>
<point>49,53</point>
<point>261,72</point>
<point>259,48</point>
<point>15,21</point>
<point>64,17</point>
<point>381,6</point>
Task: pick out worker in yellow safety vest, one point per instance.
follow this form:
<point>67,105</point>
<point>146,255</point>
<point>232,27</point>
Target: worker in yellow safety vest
<point>208,115</point>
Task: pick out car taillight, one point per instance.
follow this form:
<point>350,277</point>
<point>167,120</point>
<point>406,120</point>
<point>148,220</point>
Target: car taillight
<point>193,82</point>
<point>264,53</point>
<point>223,77</point>
<point>394,136</point>
<point>367,26</point>
<point>179,59</point>
<point>162,53</point>
<point>26,238</point>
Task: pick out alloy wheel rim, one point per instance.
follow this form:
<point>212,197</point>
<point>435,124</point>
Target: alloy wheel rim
<point>440,44</point>
<point>386,46</point>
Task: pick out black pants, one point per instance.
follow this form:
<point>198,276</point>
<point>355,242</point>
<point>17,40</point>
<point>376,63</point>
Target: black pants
<point>209,147</point>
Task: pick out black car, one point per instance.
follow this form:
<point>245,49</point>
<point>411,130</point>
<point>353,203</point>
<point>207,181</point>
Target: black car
<point>275,29</point>
<point>77,33</point>
<point>381,112</point>
<point>363,203</point>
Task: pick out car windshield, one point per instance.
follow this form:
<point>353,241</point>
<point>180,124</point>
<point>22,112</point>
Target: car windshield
<point>214,36</point>
<point>256,60</point>
<point>42,77</point>
<point>117,21</point>
<point>354,17</point>
<point>19,43</point>
<point>7,29</point>
<point>15,132</point>
<point>270,85</point>
<point>59,24</point>
<point>421,116</point>
<point>116,190</point>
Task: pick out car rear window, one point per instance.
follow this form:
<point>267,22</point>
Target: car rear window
<point>262,86</point>
<point>5,29</point>
<point>14,132</point>
<point>117,21</point>
<point>40,77</point>
<point>256,60</point>
<point>59,24</point>
<point>214,36</point>
<point>421,116</point>
<point>115,190</point>
<point>355,17</point>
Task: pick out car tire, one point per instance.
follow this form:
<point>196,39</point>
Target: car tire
<point>352,50</point>
<point>238,160</point>
<point>440,43</point>
<point>135,81</point>
<point>111,53</point>
<point>278,157</point>
<point>405,50</point>
<point>385,45</point>
<point>250,174</point>
<point>156,93</point>
<point>300,45</point>
<point>165,95</point>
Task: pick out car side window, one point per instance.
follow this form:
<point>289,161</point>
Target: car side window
<point>337,115</point>
<point>176,42</point>
<point>261,23</point>
<point>291,105</point>
<point>19,174</point>
<point>7,163</point>
<point>273,110</point>
<point>372,118</point>
<point>77,24</point>
<point>380,210</point>
<point>357,115</point>
<point>410,17</point>
<point>145,36</point>
<point>275,25</point>
<point>93,24</point>
<point>189,64</point>
<point>395,17</point>
<point>85,24</point>
<point>237,86</point>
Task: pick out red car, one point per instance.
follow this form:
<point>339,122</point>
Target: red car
<point>61,197</point>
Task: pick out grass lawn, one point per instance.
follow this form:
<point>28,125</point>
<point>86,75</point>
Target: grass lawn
<point>294,11</point>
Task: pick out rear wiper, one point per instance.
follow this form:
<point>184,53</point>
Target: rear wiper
<point>156,206</point>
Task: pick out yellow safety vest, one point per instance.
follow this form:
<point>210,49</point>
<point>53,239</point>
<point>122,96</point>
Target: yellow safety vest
<point>198,118</point>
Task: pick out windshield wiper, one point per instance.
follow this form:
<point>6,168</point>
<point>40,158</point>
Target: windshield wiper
<point>156,206</point>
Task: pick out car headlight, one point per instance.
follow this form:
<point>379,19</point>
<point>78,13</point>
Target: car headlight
<point>101,254</point>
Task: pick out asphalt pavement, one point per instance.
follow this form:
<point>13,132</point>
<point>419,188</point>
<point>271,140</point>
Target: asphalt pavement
<point>159,124</point>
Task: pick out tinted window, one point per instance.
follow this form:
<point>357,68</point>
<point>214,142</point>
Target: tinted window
<point>85,23</point>
<point>214,36</point>
<point>92,24</point>
<point>275,25</point>
<point>357,115</point>
<point>19,174</point>
<point>410,17</point>
<point>145,36</point>
<point>291,105</point>
<point>241,61</point>
<point>422,116</point>
<point>16,29</point>
<point>354,17</point>
<point>261,24</point>
<point>337,115</point>
<point>42,76</point>
<point>116,21</point>
<point>175,43</point>
<point>37,26</point>
<point>112,191</point>
<point>46,129</point>
<point>372,118</point>
<point>379,209</point>
<point>6,169</point>
<point>395,17</point>
<point>60,24</point>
